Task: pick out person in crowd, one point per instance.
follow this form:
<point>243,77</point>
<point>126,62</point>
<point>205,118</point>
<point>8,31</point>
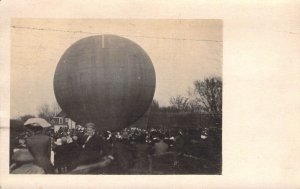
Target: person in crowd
<point>23,163</point>
<point>141,153</point>
<point>60,156</point>
<point>160,146</point>
<point>93,147</point>
<point>75,139</point>
<point>123,154</point>
<point>72,150</point>
<point>39,145</point>
<point>179,143</point>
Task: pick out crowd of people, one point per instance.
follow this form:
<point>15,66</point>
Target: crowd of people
<point>85,150</point>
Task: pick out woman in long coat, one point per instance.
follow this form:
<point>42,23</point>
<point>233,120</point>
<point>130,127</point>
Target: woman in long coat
<point>39,146</point>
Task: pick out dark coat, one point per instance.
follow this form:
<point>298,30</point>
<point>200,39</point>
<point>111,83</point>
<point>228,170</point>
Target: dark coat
<point>123,154</point>
<point>160,147</point>
<point>59,157</point>
<point>39,146</point>
<point>141,160</point>
<point>66,154</point>
<point>92,150</point>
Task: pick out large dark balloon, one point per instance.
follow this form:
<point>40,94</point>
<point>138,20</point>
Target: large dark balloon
<point>105,79</point>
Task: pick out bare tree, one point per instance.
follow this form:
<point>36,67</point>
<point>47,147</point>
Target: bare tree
<point>55,108</point>
<point>180,103</point>
<point>208,96</point>
<point>46,111</point>
<point>194,106</point>
<point>24,118</point>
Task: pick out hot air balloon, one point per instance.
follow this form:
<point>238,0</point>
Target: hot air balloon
<point>105,79</point>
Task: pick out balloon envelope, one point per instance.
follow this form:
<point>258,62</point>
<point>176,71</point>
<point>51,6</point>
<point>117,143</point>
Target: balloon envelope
<point>105,79</point>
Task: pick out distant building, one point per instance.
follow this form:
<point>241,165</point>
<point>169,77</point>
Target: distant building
<point>62,121</point>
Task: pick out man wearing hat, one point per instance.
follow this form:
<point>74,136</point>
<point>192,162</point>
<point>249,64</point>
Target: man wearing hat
<point>93,147</point>
<point>39,144</point>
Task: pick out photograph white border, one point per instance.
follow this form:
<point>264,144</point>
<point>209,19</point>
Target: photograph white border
<point>261,77</point>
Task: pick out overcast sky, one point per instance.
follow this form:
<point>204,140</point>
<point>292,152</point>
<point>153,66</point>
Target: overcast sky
<point>181,51</point>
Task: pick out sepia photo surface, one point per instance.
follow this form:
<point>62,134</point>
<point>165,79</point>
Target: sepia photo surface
<point>150,91</point>
<point>259,72</point>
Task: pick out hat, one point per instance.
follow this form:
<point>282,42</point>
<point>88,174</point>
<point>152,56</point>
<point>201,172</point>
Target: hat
<point>35,122</point>
<point>22,155</point>
<point>58,142</point>
<point>64,140</point>
<point>91,125</point>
